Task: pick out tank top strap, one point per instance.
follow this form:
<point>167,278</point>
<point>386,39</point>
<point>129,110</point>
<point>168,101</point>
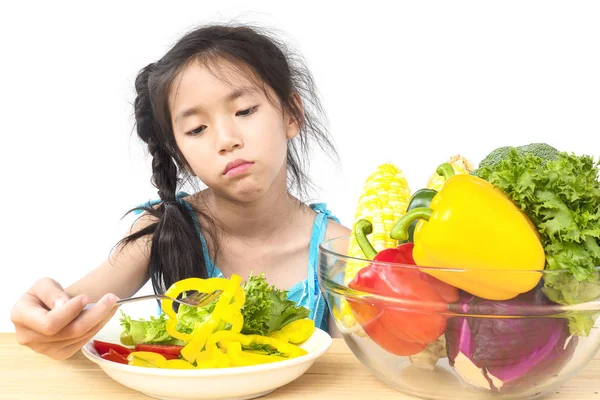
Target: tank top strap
<point>319,311</point>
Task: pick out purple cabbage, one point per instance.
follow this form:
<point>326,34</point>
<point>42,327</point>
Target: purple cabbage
<point>507,353</point>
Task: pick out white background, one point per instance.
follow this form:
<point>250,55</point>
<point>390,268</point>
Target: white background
<point>411,83</point>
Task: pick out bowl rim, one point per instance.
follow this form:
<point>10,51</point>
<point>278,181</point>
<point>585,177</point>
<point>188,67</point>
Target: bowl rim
<point>324,339</point>
<point>330,252</point>
<point>524,310</point>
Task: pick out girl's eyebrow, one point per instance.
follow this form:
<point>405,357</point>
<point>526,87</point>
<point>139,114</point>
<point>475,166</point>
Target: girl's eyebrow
<point>235,94</point>
<point>240,92</point>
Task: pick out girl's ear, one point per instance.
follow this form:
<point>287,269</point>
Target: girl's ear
<point>294,117</point>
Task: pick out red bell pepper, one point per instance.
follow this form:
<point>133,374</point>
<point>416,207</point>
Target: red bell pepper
<point>103,348</point>
<point>112,355</point>
<point>403,328</point>
<point>164,349</point>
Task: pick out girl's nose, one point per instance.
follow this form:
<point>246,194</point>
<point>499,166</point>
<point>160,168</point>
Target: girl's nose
<point>228,139</point>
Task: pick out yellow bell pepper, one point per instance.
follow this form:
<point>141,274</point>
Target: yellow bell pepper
<point>227,309</point>
<point>225,338</point>
<point>212,356</point>
<point>295,332</point>
<point>241,358</point>
<point>474,226</point>
<point>132,359</point>
<point>154,360</point>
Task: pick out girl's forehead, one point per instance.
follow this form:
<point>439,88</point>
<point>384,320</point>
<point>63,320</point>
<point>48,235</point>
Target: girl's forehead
<point>214,80</point>
<point>215,75</point>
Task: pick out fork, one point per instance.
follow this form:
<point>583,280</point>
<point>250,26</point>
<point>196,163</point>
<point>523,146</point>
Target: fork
<point>195,300</point>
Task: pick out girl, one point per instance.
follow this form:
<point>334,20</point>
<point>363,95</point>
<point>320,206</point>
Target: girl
<point>232,107</point>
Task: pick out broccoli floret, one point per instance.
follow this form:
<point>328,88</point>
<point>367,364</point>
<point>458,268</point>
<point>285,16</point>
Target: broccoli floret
<point>542,150</point>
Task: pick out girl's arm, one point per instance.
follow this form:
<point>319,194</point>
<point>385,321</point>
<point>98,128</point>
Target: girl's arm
<point>123,273</point>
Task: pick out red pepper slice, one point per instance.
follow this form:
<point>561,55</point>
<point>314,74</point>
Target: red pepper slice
<point>402,329</point>
<point>164,349</point>
<point>112,355</point>
<point>104,347</point>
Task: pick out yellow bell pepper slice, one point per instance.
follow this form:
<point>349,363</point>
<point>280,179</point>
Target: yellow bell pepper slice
<point>138,362</point>
<point>155,360</point>
<point>241,358</point>
<point>225,338</point>
<point>295,332</point>
<point>193,284</point>
<point>473,226</point>
<point>227,309</point>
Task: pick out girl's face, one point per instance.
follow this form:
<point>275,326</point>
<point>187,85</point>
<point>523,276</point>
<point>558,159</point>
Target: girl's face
<point>230,134</point>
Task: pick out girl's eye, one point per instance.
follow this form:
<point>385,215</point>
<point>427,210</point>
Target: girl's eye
<point>246,112</point>
<point>197,131</point>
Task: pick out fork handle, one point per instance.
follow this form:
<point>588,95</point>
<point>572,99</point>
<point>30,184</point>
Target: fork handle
<point>126,300</point>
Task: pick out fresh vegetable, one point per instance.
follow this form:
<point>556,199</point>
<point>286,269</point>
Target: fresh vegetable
<point>224,338</point>
<point>384,198</point>
<point>142,331</point>
<point>417,320</point>
<point>471,225</point>
<point>226,311</point>
<point>156,360</point>
<point>295,332</point>
<point>459,164</point>
<point>503,352</point>
<point>112,355</point>
<point>267,308</point>
<point>562,198</point>
<point>225,348</point>
<point>541,150</point>
<point>429,356</point>
<point>104,347</point>
<point>241,358</point>
<point>164,349</point>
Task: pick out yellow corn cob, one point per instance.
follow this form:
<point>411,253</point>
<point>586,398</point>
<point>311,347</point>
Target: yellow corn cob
<point>460,165</point>
<point>384,199</point>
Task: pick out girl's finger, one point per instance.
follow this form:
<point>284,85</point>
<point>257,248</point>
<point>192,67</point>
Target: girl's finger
<point>89,319</point>
<point>65,349</point>
<point>31,314</point>
<point>49,292</point>
<point>88,335</point>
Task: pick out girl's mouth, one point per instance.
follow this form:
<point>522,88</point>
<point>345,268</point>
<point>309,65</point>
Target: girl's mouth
<point>237,167</point>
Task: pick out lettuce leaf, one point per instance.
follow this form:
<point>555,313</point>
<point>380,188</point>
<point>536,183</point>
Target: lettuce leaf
<point>562,199</point>
<point>188,316</point>
<point>145,331</point>
<point>267,308</point>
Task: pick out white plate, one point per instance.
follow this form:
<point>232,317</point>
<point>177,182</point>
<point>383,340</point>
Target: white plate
<point>218,383</point>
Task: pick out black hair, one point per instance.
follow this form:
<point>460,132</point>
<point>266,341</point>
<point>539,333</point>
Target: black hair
<point>176,250</point>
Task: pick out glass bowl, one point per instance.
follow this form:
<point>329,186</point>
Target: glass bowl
<point>430,340</point>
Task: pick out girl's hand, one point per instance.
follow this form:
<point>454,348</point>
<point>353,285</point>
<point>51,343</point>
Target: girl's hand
<point>49,322</point>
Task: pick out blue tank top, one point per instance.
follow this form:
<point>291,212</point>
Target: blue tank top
<point>306,293</point>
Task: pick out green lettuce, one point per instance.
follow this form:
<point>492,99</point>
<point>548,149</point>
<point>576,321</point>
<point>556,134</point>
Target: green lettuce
<point>562,199</point>
<point>267,308</point>
<point>136,331</point>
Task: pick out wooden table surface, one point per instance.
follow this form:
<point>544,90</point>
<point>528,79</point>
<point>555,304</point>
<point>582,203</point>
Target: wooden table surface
<point>336,375</point>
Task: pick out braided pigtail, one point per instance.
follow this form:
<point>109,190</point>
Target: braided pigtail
<point>176,252</point>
